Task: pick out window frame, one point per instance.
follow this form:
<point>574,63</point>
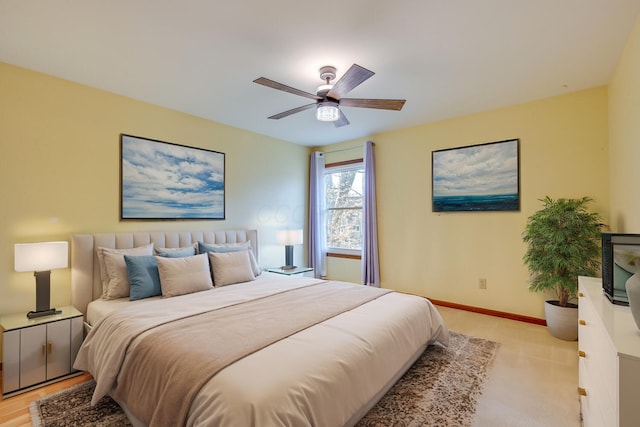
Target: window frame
<point>332,168</point>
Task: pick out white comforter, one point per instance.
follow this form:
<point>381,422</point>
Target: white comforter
<point>326,375</point>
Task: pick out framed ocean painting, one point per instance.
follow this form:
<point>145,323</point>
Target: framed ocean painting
<point>162,180</point>
<point>483,177</point>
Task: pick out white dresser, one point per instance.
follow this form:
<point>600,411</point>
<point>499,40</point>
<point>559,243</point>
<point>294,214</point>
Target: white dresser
<point>609,351</point>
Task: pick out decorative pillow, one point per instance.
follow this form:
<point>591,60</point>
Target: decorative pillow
<point>118,284</point>
<point>140,250</point>
<point>231,267</point>
<point>232,247</point>
<point>178,252</point>
<point>179,276</point>
<point>144,278</point>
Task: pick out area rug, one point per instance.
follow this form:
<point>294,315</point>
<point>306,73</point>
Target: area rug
<point>440,389</point>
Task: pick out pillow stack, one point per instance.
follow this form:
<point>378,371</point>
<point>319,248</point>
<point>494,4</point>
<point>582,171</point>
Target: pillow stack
<point>138,273</point>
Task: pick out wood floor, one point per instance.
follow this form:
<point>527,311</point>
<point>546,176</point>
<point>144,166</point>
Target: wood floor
<point>14,411</point>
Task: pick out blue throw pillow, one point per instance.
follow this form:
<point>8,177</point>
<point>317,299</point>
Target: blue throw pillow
<point>144,278</point>
<point>203,248</point>
<point>180,253</point>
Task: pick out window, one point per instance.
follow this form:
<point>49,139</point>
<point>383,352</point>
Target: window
<point>344,189</point>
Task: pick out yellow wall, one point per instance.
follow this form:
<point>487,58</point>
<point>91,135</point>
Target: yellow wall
<point>60,159</point>
<point>563,153</point>
<point>60,162</point>
<point>624,134</point>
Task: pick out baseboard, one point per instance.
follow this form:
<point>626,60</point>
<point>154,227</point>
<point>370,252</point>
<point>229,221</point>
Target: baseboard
<point>503,314</point>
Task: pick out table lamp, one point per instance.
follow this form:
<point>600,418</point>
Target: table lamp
<point>41,258</point>
<point>288,238</point>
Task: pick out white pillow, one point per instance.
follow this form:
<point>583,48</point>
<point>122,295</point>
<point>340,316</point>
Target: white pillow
<point>232,247</point>
<point>179,276</point>
<point>104,274</point>
<point>231,267</point>
<point>118,279</point>
<point>254,264</point>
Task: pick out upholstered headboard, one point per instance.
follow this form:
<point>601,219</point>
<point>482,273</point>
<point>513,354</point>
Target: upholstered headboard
<point>86,285</point>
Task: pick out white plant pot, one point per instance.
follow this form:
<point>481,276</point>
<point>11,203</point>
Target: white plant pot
<point>632,286</point>
<point>562,322</point>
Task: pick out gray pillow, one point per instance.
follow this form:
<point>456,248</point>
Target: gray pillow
<point>178,252</point>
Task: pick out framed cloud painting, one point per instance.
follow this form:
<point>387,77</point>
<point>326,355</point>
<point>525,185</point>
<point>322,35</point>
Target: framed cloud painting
<point>162,180</point>
<point>482,177</point>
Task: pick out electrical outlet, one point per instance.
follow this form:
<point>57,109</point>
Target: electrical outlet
<point>482,283</point>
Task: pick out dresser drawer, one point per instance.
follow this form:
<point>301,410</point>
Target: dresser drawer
<point>609,372</point>
<point>598,368</point>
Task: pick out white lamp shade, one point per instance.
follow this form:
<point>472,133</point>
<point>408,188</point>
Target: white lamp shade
<point>289,237</point>
<point>41,256</point>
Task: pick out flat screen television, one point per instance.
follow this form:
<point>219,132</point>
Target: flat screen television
<point>620,261</point>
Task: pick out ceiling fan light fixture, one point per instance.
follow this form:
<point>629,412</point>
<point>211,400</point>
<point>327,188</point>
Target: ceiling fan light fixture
<point>327,111</point>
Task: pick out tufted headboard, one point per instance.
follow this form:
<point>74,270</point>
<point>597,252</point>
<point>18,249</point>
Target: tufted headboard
<point>86,285</point>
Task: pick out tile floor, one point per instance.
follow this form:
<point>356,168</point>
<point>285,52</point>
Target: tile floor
<point>534,378</point>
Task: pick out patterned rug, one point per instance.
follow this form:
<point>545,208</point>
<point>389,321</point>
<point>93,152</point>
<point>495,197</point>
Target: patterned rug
<point>440,389</point>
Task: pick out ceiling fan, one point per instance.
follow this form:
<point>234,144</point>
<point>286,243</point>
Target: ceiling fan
<point>329,97</point>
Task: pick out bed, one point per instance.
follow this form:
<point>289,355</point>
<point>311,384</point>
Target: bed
<point>270,351</point>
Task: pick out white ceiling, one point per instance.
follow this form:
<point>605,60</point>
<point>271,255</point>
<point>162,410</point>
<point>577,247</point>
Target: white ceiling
<point>445,57</point>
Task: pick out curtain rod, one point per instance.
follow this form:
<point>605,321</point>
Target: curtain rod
<point>342,149</point>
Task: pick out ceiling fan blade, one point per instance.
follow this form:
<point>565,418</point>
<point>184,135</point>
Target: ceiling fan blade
<point>342,121</point>
<point>352,78</point>
<point>382,104</point>
<point>292,111</point>
<point>275,85</point>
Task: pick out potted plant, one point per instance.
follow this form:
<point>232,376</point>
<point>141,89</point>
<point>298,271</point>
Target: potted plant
<point>563,243</point>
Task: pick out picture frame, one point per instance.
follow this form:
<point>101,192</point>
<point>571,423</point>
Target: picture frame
<point>482,177</point>
<point>165,181</point>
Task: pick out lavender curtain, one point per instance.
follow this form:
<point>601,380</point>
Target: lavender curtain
<point>370,264</point>
<point>317,239</point>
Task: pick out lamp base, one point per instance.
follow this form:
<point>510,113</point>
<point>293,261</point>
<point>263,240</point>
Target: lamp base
<point>41,313</point>
<point>288,258</point>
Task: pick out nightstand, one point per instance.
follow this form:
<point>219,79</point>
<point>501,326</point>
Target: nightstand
<point>302,271</point>
<point>39,351</point>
